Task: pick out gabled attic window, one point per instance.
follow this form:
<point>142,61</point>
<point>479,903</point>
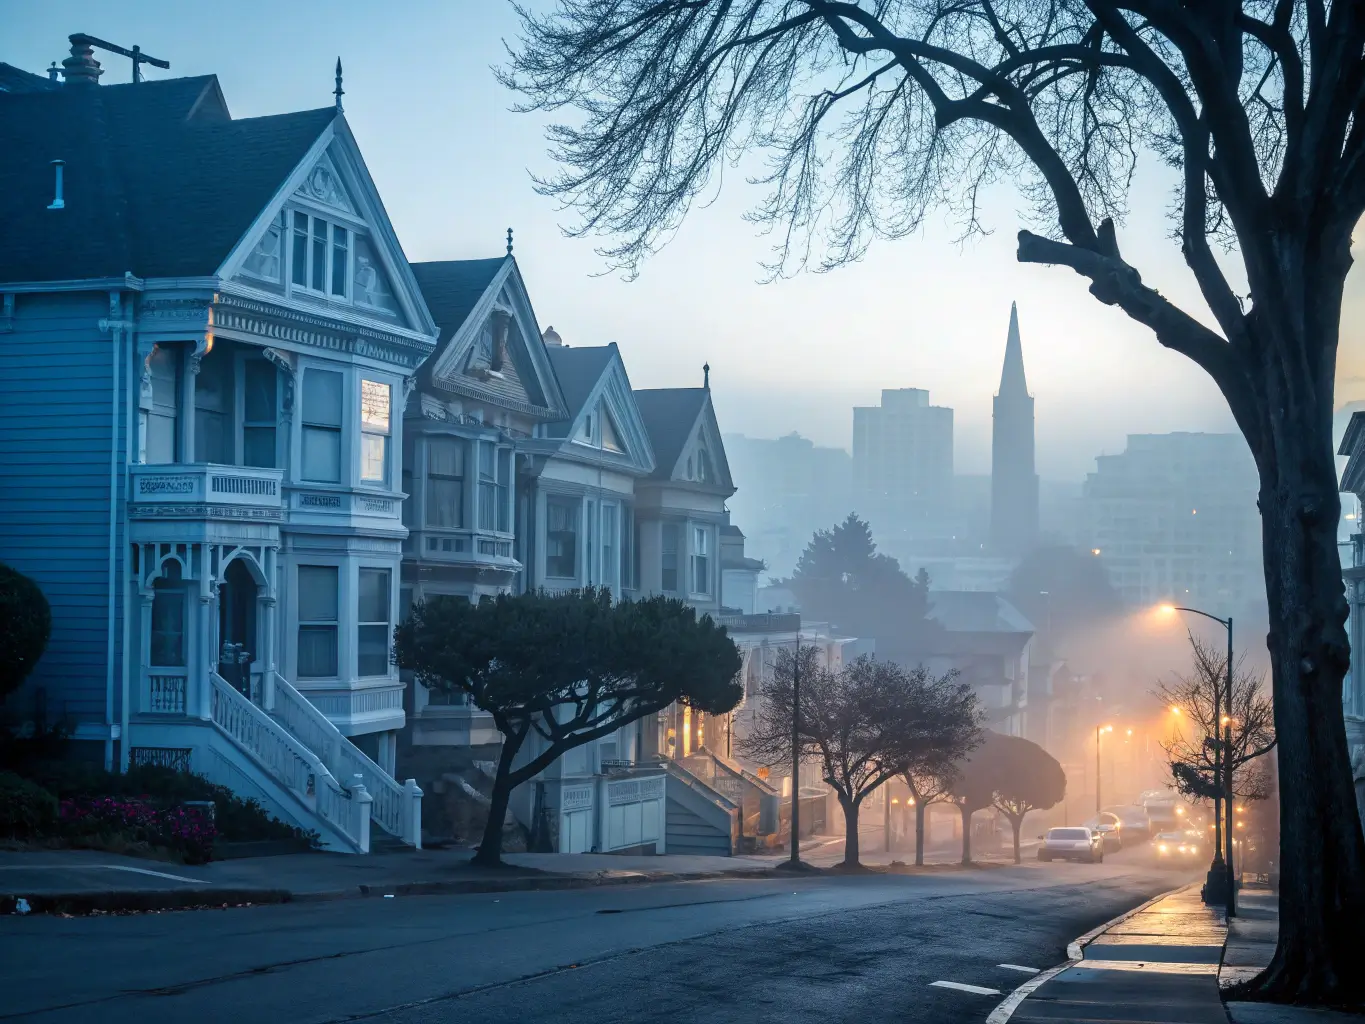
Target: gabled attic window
<point>611,441</point>
<point>319,255</point>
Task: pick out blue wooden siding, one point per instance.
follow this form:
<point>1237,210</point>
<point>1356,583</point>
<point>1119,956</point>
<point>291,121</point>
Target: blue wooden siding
<point>55,380</point>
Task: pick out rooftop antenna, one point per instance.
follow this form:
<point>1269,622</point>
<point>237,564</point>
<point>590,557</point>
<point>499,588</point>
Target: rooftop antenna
<point>509,241</point>
<point>138,57</point>
<point>339,92</point>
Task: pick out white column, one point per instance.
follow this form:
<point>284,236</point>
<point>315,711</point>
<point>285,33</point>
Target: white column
<point>266,633</point>
<point>145,649</point>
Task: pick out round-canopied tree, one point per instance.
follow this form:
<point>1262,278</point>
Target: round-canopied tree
<point>1027,778</point>
<point>25,626</point>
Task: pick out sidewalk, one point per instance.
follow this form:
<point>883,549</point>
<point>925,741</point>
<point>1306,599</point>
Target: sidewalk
<point>1166,962</point>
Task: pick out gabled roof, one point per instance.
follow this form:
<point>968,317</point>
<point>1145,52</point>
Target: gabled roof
<point>159,180</point>
<point>974,611</point>
<point>593,379</point>
<point>1353,476</point>
<point>670,415</point>
<point>579,370</point>
<point>453,288</point>
<point>14,79</point>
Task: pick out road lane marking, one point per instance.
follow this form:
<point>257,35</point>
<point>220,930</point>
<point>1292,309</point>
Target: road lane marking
<point>1019,967</point>
<point>957,986</point>
<point>99,867</point>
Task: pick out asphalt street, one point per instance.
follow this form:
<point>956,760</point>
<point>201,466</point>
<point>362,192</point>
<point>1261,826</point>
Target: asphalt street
<point>828,949</point>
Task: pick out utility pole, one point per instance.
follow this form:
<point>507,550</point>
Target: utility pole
<point>796,752</point>
<point>1227,786</point>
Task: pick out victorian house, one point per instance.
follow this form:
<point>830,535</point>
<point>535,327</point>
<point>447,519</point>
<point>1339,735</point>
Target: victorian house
<point>207,336</point>
<point>1353,572</point>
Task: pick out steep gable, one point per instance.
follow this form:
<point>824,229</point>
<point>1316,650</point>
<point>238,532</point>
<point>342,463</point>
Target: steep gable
<point>605,425</point>
<point>686,437</point>
<point>489,344</point>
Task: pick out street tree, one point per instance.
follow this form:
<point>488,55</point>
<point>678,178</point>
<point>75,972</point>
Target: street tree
<point>927,786</point>
<point>973,786</point>
<point>875,114</point>
<point>563,670</point>
<point>1195,751</point>
<point>1027,778</point>
<point>863,724</point>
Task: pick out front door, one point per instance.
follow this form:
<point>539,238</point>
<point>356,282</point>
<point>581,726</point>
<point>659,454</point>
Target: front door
<point>237,626</point>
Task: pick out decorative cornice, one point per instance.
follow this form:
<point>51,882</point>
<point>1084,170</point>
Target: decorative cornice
<point>457,386</point>
<point>266,320</point>
<point>204,512</point>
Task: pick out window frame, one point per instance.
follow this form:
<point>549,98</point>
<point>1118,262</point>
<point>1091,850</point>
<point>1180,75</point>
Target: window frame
<point>461,444</point>
<point>332,625</point>
<point>362,624</point>
<point>575,505</point>
<point>665,531</point>
<point>242,424</point>
<point>177,597</point>
<point>700,560</point>
<point>302,277</point>
<point>386,434</point>
<point>306,425</point>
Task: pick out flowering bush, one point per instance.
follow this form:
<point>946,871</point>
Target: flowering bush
<point>188,831</point>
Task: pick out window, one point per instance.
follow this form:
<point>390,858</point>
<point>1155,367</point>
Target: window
<point>318,605</point>
<point>374,431</point>
<point>168,621</point>
<point>488,486</point>
<point>561,537</point>
<point>671,538</point>
<point>630,570</point>
<point>590,552</point>
<point>610,546</point>
<point>319,255</point>
<point>373,633</point>
<point>322,426</point>
<point>611,441</point>
<point>504,490</point>
<point>701,562</point>
<point>160,422</point>
<point>212,400</point>
<point>261,380</point>
<point>445,482</point>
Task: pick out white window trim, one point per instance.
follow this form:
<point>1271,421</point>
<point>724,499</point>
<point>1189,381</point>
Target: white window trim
<point>345,652</point>
<point>333,219</point>
<point>361,430</point>
<point>390,669</point>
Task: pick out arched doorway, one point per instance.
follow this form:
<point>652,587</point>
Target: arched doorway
<point>237,632</point>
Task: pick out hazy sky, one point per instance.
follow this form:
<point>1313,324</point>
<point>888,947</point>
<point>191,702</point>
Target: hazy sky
<point>452,163</point>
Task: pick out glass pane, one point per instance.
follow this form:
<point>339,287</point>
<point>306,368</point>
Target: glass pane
<point>160,438</point>
<point>322,454</point>
<point>374,406</point>
<point>504,510</point>
<point>210,438</point>
<point>317,652</point>
<point>322,398</point>
<point>318,593</point>
<point>561,549</point>
<point>299,273</point>
<point>445,456</point>
<point>374,457</point>
<point>485,460</point>
<point>445,502</point>
<point>488,504</point>
<point>373,605</point>
<point>258,446</point>
<point>372,653</point>
<point>259,400</point>
<point>164,364</point>
<point>339,253</point>
<point>168,628</point>
<point>318,278</point>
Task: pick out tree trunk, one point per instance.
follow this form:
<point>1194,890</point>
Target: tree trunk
<point>851,808</point>
<point>966,836</point>
<point>490,849</point>
<point>1016,824</point>
<point>1322,851</point>
<point>919,834</point>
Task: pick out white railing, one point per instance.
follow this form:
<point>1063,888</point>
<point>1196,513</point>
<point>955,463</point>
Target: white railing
<point>189,483</point>
<point>165,693</point>
<point>287,760</point>
<point>396,807</point>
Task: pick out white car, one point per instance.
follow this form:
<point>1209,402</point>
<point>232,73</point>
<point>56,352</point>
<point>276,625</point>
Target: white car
<point>1074,842</point>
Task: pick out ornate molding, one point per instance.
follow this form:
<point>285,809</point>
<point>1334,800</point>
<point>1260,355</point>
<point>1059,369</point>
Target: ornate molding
<point>205,512</point>
<point>233,312</point>
<point>283,363</point>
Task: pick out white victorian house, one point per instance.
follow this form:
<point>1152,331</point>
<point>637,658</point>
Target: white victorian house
<point>209,333</point>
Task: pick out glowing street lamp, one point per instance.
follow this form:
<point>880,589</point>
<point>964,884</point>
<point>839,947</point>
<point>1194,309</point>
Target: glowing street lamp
<point>1099,729</point>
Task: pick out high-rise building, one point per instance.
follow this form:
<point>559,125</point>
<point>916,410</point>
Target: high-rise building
<point>903,463</point>
<point>1014,483</point>
<point>1174,518</point>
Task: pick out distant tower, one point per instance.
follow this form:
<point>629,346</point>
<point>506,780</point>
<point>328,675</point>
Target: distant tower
<point>1014,484</point>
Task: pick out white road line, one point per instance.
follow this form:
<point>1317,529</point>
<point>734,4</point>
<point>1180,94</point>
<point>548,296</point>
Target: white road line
<point>1002,1013</point>
<point>98,867</point>
<point>1019,967</point>
<point>957,986</point>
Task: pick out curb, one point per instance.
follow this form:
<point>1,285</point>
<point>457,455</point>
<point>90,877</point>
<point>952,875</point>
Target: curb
<point>1075,953</point>
<point>144,900</point>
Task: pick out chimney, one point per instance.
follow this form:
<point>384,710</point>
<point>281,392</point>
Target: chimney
<point>551,337</point>
<point>58,203</point>
<point>81,67</point>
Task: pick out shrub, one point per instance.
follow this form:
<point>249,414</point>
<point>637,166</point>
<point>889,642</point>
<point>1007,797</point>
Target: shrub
<point>26,809</point>
<point>25,625</point>
<point>187,831</point>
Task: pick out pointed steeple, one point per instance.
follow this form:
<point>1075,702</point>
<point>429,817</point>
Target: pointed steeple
<point>1012,380</point>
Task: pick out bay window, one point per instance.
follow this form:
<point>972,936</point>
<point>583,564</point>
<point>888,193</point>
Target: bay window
<point>488,486</point>
<point>445,482</point>
<point>670,544</point>
<point>504,490</point>
<point>373,629</point>
<point>561,537</point>
<point>322,410</point>
<point>318,605</point>
<point>375,417</point>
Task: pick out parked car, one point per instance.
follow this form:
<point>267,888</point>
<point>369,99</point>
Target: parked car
<point>1133,820</point>
<point>1111,837</point>
<point>1179,847</point>
<point>1073,842</point>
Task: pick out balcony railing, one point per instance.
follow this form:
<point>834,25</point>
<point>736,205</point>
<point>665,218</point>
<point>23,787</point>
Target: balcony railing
<point>160,490</point>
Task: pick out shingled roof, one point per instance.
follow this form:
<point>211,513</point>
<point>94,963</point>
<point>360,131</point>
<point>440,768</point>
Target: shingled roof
<point>579,370</point>
<point>452,288</point>
<point>159,180</point>
<point>669,414</point>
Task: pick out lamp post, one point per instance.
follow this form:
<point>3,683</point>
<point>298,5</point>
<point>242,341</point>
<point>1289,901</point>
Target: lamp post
<point>1220,872</point>
<point>1099,729</point>
<point>795,860</point>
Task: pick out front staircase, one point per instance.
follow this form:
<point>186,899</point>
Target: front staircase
<point>290,756</point>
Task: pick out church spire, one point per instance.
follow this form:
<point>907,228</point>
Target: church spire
<point>1012,380</point>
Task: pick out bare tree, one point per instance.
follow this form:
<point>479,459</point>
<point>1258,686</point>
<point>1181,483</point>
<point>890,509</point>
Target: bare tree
<point>874,113</point>
<point>1195,750</point>
<point>866,723</point>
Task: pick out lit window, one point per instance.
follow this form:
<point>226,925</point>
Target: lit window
<point>372,647</point>
<point>318,604</point>
<point>322,426</point>
<point>374,431</point>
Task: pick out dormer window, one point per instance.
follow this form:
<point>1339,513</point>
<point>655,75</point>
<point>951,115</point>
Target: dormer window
<point>320,255</point>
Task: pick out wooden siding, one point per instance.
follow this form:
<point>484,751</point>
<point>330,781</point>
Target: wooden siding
<point>55,379</point>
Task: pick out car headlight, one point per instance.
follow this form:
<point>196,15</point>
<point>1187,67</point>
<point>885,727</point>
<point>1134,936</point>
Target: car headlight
<point>1162,848</point>
<point>1184,849</point>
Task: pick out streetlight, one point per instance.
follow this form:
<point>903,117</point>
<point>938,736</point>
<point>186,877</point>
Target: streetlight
<point>1220,866</point>
<point>1099,729</point>
<point>795,861</point>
